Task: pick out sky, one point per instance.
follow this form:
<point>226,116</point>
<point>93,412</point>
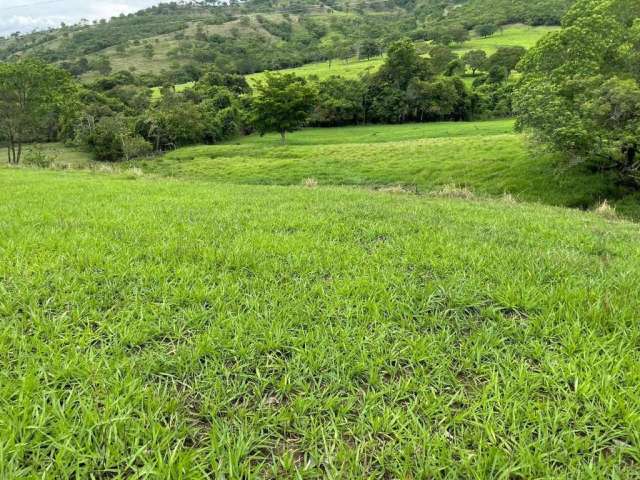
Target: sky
<point>28,15</point>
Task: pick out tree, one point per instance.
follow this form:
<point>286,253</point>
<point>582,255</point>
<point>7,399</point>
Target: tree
<point>340,102</point>
<point>147,51</point>
<point>113,139</point>
<point>369,48</point>
<point>30,92</point>
<point>282,103</point>
<point>580,90</point>
<point>401,65</point>
<point>475,59</point>
<point>455,67</point>
<point>486,30</point>
<point>102,65</point>
<point>506,58</point>
<point>440,57</point>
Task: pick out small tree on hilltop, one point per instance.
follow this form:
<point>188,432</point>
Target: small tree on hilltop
<point>283,103</point>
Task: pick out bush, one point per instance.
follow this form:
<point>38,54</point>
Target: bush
<point>36,157</point>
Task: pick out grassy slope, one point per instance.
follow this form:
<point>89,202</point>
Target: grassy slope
<point>166,329</point>
<point>511,35</point>
<point>485,156</point>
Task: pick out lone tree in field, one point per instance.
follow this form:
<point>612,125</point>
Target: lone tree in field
<point>30,92</point>
<point>283,103</point>
<point>475,59</point>
<point>580,89</point>
<point>486,30</point>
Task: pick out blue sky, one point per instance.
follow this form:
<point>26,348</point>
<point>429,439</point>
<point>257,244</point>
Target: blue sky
<point>27,15</point>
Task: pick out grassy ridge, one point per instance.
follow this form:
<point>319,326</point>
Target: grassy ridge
<point>165,329</point>
<point>485,156</point>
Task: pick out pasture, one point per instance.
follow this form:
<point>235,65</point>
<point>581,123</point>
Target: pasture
<point>165,328</point>
<point>486,157</point>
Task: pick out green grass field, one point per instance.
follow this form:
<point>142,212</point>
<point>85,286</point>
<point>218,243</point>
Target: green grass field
<point>511,35</point>
<point>170,329</point>
<point>487,157</point>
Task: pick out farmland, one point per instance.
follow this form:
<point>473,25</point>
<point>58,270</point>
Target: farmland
<point>415,274</point>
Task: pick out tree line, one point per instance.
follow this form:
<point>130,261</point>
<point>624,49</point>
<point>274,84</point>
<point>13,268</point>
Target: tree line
<point>117,118</point>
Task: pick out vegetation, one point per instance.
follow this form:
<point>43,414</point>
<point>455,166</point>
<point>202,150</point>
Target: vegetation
<point>32,96</point>
<point>219,304</point>
<point>172,43</point>
<point>228,357</point>
<point>282,104</point>
<point>585,102</point>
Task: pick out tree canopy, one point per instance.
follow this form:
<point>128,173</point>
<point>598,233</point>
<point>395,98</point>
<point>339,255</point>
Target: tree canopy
<point>30,93</point>
<point>283,103</point>
<point>580,87</point>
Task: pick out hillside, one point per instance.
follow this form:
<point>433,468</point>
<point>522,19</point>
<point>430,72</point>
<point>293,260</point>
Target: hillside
<point>171,42</point>
<point>198,331</point>
<point>485,157</point>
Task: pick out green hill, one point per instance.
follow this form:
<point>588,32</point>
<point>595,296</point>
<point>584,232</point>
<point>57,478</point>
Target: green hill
<point>170,42</point>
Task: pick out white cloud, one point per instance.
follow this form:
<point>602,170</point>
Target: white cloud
<point>28,15</point>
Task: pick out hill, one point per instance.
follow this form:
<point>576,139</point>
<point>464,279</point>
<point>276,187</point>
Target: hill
<point>510,35</point>
<point>190,330</point>
<point>171,42</point>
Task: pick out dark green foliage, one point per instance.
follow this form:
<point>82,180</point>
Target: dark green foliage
<point>112,139</point>
<point>440,57</point>
<point>475,59</point>
<point>402,65</point>
<point>486,30</point>
<point>501,12</point>
<point>214,78</point>
<point>455,67</point>
<point>506,58</point>
<point>340,102</point>
<point>369,48</point>
<point>580,89</point>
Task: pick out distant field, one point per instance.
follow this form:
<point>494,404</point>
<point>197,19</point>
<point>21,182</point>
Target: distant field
<point>511,35</point>
<point>170,329</point>
<point>487,157</point>
<point>352,68</point>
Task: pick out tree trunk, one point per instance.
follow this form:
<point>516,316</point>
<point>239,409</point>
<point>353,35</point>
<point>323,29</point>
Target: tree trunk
<point>631,155</point>
<point>283,137</point>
